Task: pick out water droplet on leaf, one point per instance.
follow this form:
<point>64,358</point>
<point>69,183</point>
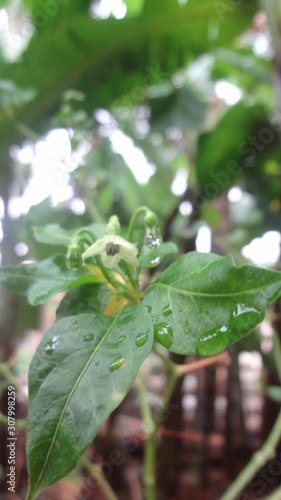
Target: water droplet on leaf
<point>167,310</point>
<point>164,334</point>
<point>213,341</point>
<point>148,308</point>
<point>117,363</point>
<point>89,337</point>
<point>180,309</point>
<point>243,309</point>
<point>51,345</point>
<point>141,339</point>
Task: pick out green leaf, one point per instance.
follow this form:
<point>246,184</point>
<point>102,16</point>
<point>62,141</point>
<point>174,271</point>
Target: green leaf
<point>151,257</point>
<point>53,234</point>
<point>69,54</point>
<point>86,298</point>
<point>274,393</point>
<point>41,281</point>
<point>202,302</point>
<point>81,371</point>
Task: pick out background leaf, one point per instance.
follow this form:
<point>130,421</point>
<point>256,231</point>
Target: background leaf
<point>81,371</point>
<point>41,281</point>
<point>202,303</point>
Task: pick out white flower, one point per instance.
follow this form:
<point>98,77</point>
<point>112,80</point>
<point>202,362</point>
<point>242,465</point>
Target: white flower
<point>112,249</point>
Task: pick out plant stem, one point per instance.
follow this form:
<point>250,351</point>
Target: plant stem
<point>97,474</point>
<point>275,495</point>
<point>257,461</point>
<point>19,424</point>
<point>201,363</point>
<point>276,352</point>
<point>140,211</point>
<point>167,397</point>
<point>150,445</point>
<point>127,269</point>
<point>108,275</point>
<point>10,378</point>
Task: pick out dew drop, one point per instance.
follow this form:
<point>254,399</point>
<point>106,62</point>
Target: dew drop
<point>88,337</point>
<point>141,339</point>
<point>121,339</point>
<point>167,310</point>
<point>180,309</point>
<point>243,309</point>
<point>97,363</point>
<point>117,363</point>
<point>213,341</point>
<point>51,345</point>
<point>164,334</point>
<point>148,308</point>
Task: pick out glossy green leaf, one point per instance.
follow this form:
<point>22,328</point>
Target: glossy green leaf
<point>202,302</point>
<point>151,257</point>
<point>86,298</point>
<point>41,281</point>
<point>81,371</point>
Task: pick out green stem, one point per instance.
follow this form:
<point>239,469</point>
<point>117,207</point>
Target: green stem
<point>108,275</point>
<point>276,495</point>
<point>10,378</point>
<point>128,271</point>
<point>276,352</point>
<point>19,424</point>
<point>97,474</point>
<point>167,397</point>
<point>150,445</point>
<point>257,461</point>
<point>140,211</point>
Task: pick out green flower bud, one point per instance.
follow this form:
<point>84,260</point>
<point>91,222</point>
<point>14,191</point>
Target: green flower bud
<point>151,219</point>
<point>113,226</point>
<point>74,257</point>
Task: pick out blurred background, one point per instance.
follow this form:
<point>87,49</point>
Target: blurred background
<point>106,105</point>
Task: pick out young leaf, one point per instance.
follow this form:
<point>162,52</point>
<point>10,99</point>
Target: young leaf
<point>85,298</point>
<point>81,371</point>
<point>202,302</point>
<point>41,281</point>
<point>150,257</point>
<point>54,234</point>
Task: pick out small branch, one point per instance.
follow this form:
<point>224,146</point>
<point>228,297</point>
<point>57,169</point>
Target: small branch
<point>19,424</point>
<point>97,474</point>
<point>10,378</point>
<point>223,357</point>
<point>276,495</point>
<point>140,211</point>
<point>276,352</point>
<point>150,445</point>
<point>257,461</point>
